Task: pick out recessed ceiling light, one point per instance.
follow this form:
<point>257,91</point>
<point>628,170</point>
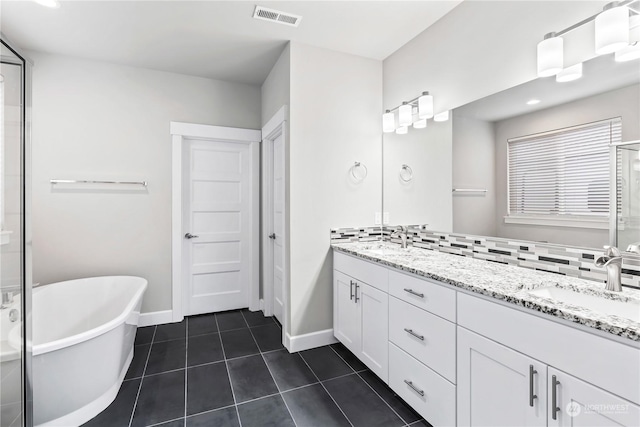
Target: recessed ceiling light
<point>53,4</point>
<point>533,101</point>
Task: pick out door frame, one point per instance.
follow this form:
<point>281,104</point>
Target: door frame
<point>180,133</point>
<point>275,127</point>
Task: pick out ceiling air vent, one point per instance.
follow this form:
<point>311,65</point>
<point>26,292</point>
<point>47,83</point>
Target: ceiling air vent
<point>272,15</point>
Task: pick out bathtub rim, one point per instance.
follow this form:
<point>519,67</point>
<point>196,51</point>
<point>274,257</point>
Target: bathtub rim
<point>91,333</point>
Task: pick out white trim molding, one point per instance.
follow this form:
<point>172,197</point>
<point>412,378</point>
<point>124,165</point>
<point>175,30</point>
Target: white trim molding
<point>179,133</point>
<point>157,318</point>
<point>307,341</point>
<point>556,221</point>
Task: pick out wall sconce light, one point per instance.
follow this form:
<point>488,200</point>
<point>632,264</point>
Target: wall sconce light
<point>412,113</point>
<point>614,32</point>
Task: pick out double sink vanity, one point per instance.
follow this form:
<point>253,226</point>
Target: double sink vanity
<point>470,342</point>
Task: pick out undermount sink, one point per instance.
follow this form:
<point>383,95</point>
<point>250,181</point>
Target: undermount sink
<point>625,309</point>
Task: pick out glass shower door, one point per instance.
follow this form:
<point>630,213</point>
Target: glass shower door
<point>14,351</point>
<point>628,195</point>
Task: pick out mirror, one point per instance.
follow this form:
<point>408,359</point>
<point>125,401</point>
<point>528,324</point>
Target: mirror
<point>475,198</point>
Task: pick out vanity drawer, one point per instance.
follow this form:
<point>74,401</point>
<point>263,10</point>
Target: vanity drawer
<point>424,294</point>
<point>367,272</point>
<point>431,396</point>
<point>432,340</point>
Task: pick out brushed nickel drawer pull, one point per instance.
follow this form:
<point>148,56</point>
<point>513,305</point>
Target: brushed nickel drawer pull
<point>532,396</point>
<point>410,331</point>
<point>554,398</point>
<point>416,389</point>
<point>412,292</point>
<point>351,290</point>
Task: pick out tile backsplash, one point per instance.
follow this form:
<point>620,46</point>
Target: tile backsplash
<point>570,261</point>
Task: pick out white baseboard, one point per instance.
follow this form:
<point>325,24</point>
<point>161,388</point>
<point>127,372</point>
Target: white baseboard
<point>155,318</point>
<point>311,340</point>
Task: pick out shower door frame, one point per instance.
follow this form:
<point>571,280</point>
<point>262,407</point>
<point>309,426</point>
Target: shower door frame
<point>25,225</point>
<point>613,189</point>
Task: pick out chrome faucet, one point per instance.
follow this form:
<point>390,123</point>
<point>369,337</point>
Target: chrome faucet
<point>401,231</point>
<point>612,260</point>
<point>7,296</point>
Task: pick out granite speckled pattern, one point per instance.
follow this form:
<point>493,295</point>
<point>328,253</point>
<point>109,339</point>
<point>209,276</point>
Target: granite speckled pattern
<point>508,283</point>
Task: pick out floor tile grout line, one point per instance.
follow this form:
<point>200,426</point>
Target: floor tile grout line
<point>325,389</point>
<point>186,367</point>
<point>144,370</point>
<point>224,354</point>
<point>369,385</point>
<point>271,374</point>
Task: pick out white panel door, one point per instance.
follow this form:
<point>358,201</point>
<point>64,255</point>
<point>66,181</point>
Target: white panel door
<point>580,404</point>
<point>217,226</point>
<point>374,314</point>
<point>278,228</point>
<point>346,314</point>
<point>498,386</point>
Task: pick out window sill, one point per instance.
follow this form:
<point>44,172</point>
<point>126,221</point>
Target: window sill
<point>556,221</point>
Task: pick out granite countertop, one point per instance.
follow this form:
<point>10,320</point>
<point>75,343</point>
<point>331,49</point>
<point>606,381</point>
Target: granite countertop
<point>511,284</point>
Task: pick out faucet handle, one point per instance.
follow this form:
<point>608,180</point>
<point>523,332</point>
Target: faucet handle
<point>611,251</point>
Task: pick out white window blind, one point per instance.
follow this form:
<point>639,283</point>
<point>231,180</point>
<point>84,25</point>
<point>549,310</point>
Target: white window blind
<point>563,172</point>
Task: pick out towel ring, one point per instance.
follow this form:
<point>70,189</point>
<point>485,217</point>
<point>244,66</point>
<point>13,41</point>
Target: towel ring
<point>406,173</point>
<point>359,171</point>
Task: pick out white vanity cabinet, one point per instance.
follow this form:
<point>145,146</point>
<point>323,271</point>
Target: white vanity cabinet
<point>580,404</point>
<point>361,313</point>
<point>464,359</point>
<point>498,386</point>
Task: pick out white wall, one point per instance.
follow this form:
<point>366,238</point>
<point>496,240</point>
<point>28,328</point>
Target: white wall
<point>336,101</point>
<point>624,102</point>
<point>474,167</point>
<point>276,87</point>
<point>94,120</point>
<point>426,199</point>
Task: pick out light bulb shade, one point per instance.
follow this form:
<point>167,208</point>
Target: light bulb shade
<point>612,30</point>
<point>420,124</point>
<point>404,115</point>
<point>441,117</point>
<point>570,73</point>
<point>425,107</point>
<point>388,122</point>
<point>550,56</point>
<point>54,4</point>
<point>402,130</point>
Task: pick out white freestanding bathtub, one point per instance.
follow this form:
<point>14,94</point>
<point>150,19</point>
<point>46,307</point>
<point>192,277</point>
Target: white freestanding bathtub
<point>83,333</point>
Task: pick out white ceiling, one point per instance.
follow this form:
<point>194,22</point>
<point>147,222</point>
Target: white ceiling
<point>600,74</point>
<point>213,39</point>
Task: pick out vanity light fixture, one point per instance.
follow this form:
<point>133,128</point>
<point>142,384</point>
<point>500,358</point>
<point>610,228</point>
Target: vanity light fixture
<point>441,117</point>
<point>632,51</point>
<point>612,27</point>
<point>414,112</point>
<point>53,4</point>
<point>388,122</point>
<point>550,55</point>
<point>420,124</point>
<point>425,106</point>
<point>405,114</point>
<point>570,73</point>
<point>533,101</point>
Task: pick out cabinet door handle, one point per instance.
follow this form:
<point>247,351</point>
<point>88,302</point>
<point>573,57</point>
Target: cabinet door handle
<point>351,290</point>
<point>414,388</point>
<point>412,292</point>
<point>554,398</point>
<point>357,286</point>
<point>410,331</point>
<point>532,396</point>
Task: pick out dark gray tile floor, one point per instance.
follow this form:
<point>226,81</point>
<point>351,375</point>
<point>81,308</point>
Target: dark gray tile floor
<point>230,369</point>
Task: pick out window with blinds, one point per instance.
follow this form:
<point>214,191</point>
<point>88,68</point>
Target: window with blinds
<point>562,173</point>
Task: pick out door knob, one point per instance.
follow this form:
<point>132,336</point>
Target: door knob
<point>272,236</point>
<point>190,236</point>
